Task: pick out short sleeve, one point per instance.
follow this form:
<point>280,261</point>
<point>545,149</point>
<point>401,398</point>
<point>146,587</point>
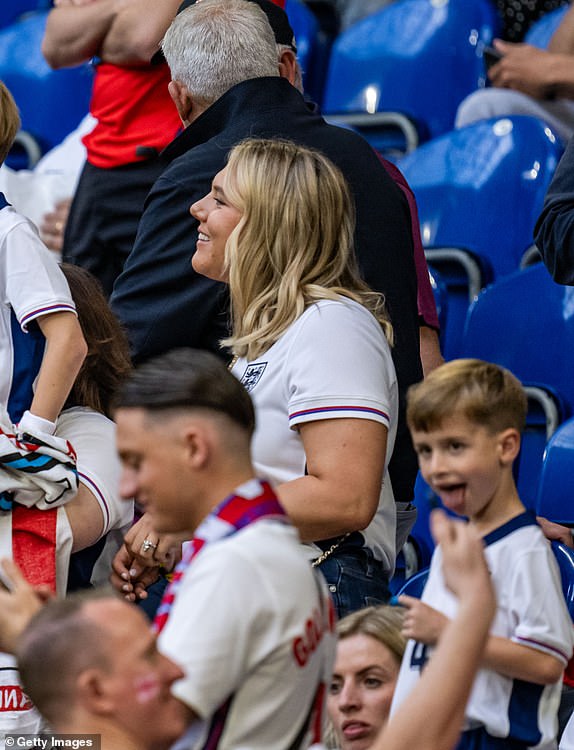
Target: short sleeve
<point>35,285</point>
<point>352,373</point>
<point>539,606</point>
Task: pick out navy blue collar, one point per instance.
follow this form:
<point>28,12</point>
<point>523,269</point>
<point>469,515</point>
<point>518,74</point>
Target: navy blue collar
<point>3,201</point>
<point>524,519</point>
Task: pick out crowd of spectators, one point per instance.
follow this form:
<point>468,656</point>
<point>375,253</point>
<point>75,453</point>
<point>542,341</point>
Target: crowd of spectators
<point>221,374</point>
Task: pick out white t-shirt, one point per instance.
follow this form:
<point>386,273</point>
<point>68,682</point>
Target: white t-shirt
<point>34,192</point>
<point>31,285</point>
<point>250,622</point>
<point>531,611</point>
<point>567,739</point>
<point>333,362</point>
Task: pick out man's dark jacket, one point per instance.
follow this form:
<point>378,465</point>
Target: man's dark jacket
<point>554,231</point>
<point>164,304</point>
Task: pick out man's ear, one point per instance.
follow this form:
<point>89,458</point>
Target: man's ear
<point>509,445</point>
<point>182,100</point>
<point>197,444</point>
<point>91,692</point>
<point>289,68</point>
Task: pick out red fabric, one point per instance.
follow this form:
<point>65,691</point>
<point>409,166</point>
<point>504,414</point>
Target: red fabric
<point>569,673</point>
<point>425,297</point>
<point>133,109</point>
<point>34,544</point>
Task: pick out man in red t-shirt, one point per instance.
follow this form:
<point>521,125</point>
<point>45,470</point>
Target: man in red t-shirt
<point>136,120</point>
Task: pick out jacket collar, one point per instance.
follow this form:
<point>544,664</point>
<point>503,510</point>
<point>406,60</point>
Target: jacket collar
<point>245,99</point>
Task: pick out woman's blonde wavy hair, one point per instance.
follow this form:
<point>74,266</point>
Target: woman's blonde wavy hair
<point>293,244</point>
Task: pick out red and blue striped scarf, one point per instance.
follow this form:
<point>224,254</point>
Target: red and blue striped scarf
<point>251,502</point>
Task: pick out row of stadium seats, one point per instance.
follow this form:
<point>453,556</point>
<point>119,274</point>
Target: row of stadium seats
<point>400,74</point>
<point>397,75</point>
<point>52,102</point>
<point>479,191</point>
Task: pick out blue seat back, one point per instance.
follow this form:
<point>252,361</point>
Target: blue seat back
<point>10,10</point>
<point>524,322</point>
<point>540,33</point>
<point>565,559</point>
<point>482,187</point>
<point>414,585</point>
<point>479,190</point>
<point>417,57</point>
<point>555,498</point>
<point>51,102</point>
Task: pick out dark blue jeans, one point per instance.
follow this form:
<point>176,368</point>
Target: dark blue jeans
<point>355,579</point>
<point>479,739</point>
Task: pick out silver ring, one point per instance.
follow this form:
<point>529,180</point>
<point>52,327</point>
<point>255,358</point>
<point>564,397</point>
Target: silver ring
<point>147,545</point>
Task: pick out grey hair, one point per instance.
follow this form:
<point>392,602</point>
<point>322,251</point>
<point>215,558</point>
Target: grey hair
<point>216,44</point>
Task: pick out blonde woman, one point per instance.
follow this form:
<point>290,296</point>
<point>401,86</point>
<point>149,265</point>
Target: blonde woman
<point>369,652</point>
<point>311,342</point>
<point>312,345</point>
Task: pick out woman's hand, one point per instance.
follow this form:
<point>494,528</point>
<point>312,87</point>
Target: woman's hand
<point>138,562</point>
<point>130,581</point>
<point>148,548</point>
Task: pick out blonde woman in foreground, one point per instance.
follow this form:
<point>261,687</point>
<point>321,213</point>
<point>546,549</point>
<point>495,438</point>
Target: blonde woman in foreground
<point>370,648</point>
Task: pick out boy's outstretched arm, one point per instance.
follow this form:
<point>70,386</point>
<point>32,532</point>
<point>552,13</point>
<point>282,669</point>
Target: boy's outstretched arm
<point>431,717</point>
<point>64,354</point>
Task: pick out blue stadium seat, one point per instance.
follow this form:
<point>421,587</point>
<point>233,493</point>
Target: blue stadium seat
<point>525,322</point>
<point>440,293</point>
<point>404,69</point>
<point>555,498</point>
<point>565,559</point>
<point>51,102</point>
<point>11,10</point>
<point>539,33</point>
<point>479,191</point>
<point>414,585</point>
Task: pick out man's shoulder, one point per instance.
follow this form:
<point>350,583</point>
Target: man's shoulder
<point>251,111</point>
<point>263,553</point>
<point>257,541</point>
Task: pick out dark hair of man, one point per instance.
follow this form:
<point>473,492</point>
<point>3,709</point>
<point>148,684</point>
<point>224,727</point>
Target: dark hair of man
<point>187,379</point>
<point>108,360</point>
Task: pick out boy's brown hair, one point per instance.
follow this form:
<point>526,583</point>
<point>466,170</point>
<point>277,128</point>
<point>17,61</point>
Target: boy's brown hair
<point>483,392</point>
<point>9,121</point>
